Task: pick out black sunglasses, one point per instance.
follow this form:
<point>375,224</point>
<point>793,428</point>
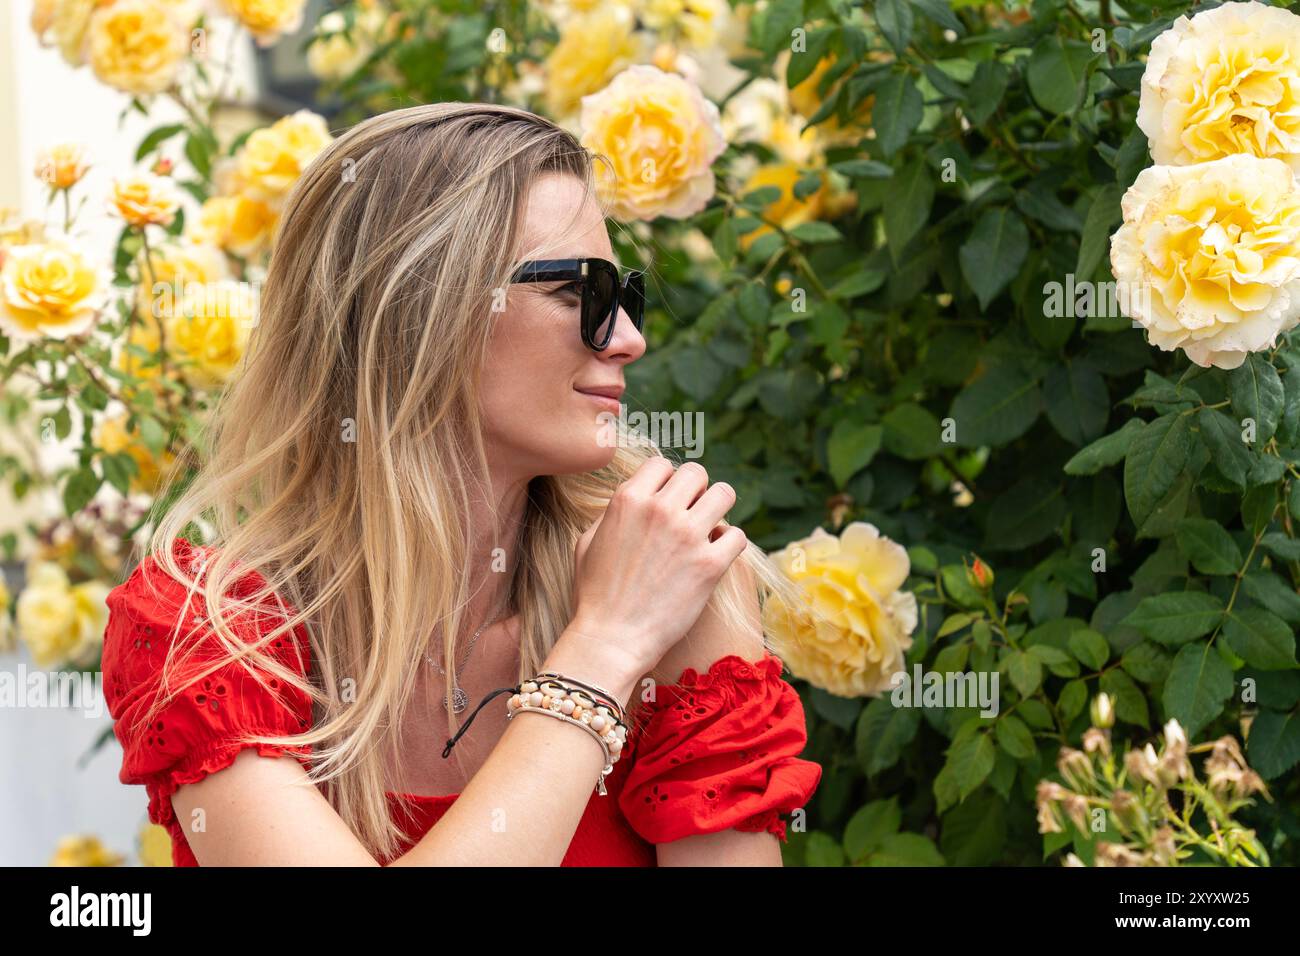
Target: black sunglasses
<point>603,293</point>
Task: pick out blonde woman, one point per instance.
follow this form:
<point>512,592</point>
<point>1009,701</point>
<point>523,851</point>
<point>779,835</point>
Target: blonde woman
<point>410,500</point>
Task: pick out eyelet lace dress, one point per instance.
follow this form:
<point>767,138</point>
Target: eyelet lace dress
<point>716,750</point>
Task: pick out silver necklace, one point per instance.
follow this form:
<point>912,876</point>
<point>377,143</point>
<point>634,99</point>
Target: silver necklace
<point>460,699</point>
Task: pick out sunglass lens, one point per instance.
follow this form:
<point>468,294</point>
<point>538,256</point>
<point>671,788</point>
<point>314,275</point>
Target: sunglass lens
<point>599,319</point>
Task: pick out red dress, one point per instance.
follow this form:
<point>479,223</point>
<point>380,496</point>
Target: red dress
<point>717,750</point>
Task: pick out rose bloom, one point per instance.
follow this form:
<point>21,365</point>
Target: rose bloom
<point>267,20</point>
<point>237,224</point>
<point>339,52</point>
<point>63,23</point>
<point>145,199</point>
<point>211,330</point>
<point>58,621</point>
<point>49,290</point>
<point>112,436</point>
<point>806,101</point>
<point>170,269</point>
<point>760,113</point>
<point>1225,81</point>
<point>62,166</point>
<point>592,49</point>
<point>84,851</point>
<point>1208,257</point>
<point>697,22</point>
<point>828,202</point>
<point>138,46</point>
<point>273,157</point>
<point>661,137</point>
<point>852,636</point>
<point>154,845</point>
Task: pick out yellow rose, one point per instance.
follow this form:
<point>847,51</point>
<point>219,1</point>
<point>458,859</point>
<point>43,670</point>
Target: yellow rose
<point>112,436</point>
<point>238,224</point>
<point>827,202</point>
<point>84,851</point>
<point>852,636</point>
<point>592,49</point>
<point>1208,257</point>
<point>63,23</point>
<point>697,22</point>
<point>49,290</point>
<point>62,166</point>
<point>211,330</point>
<point>806,100</point>
<point>562,11</point>
<point>155,846</point>
<point>339,52</point>
<point>47,615</point>
<point>661,137</point>
<point>760,113</point>
<point>1225,81</point>
<point>170,269</point>
<point>144,199</point>
<point>272,158</point>
<point>6,622</point>
<point>267,20</point>
<point>137,46</point>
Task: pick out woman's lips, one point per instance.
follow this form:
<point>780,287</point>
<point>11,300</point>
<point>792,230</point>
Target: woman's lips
<point>604,401</point>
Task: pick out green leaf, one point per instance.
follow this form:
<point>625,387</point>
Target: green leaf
<point>906,849</point>
<point>911,431</point>
<point>1256,393</point>
<point>851,447</point>
<point>1130,702</point>
<point>994,253</point>
<point>1025,671</point>
<point>1176,618</point>
<point>1155,460</point>
<point>1014,737</point>
<point>814,232</point>
<point>867,829</point>
<point>1273,746</point>
<point>1146,662</point>
<point>1105,451</point>
<point>155,138</point>
<point>1222,436</point>
<point>971,759</point>
<point>79,489</point>
<point>1102,215</point>
<point>780,18</point>
<point>863,169</point>
<point>1199,684</point>
<point>1274,593</point>
<point>1208,546</point>
<point>883,732</point>
<point>1260,638</point>
<point>907,206</point>
<point>1056,73</point>
<point>1090,648</point>
<point>1074,696</point>
<point>894,17</point>
<point>996,408</point>
<point>1077,400</point>
<point>896,112</point>
<point>986,89</point>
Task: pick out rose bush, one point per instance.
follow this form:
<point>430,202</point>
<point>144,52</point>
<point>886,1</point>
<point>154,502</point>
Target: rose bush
<point>990,310</point>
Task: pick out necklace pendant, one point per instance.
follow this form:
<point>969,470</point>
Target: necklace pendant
<point>459,700</point>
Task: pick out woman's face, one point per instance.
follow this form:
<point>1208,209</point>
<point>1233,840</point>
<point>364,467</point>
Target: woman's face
<point>537,420</point>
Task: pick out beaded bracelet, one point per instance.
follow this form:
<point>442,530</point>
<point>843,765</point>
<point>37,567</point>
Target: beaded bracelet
<point>599,718</point>
<point>590,708</point>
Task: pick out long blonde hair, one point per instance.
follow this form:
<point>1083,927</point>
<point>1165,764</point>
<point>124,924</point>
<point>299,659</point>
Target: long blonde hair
<point>374,322</point>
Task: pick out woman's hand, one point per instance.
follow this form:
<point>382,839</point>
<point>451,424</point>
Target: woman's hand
<point>647,567</point>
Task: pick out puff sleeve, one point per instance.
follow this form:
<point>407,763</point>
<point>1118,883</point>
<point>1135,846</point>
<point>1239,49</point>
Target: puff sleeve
<point>720,750</point>
<point>200,731</point>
